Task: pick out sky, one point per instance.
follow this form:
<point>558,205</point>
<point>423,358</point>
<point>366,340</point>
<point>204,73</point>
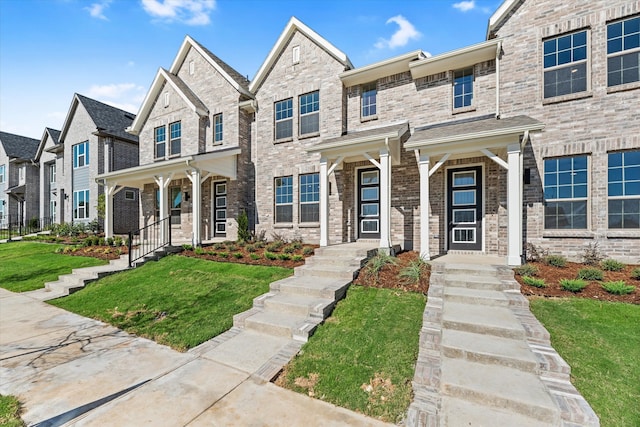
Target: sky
<point>110,50</point>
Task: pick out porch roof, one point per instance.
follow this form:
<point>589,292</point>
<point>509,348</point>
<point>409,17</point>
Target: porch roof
<point>16,190</point>
<point>471,135</point>
<point>216,163</point>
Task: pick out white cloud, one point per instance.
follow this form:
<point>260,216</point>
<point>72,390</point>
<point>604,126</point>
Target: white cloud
<point>126,96</point>
<point>112,90</point>
<point>402,36</point>
<point>97,9</point>
<point>465,5</point>
<point>190,12</point>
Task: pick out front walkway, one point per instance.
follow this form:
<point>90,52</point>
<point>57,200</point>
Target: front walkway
<point>484,359</point>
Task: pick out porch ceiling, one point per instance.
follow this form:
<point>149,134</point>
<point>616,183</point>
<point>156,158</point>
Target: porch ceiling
<point>217,163</point>
<point>353,146</point>
<point>471,136</point>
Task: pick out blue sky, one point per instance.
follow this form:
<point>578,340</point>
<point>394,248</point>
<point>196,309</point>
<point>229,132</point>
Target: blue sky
<point>110,50</point>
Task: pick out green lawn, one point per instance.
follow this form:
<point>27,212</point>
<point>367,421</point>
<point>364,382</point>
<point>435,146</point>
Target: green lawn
<point>10,412</point>
<point>25,266</point>
<point>601,342</point>
<point>177,301</point>
<point>363,357</point>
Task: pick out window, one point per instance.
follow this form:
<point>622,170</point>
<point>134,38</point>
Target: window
<point>310,113</point>
<point>192,67</point>
<point>284,199</point>
<point>81,154</point>
<point>175,204</point>
<point>175,130</point>
<point>624,189</point>
<point>2,175</point>
<point>284,118</point>
<point>295,54</point>
<point>623,52</point>
<point>310,198</point>
<point>52,173</point>
<point>160,138</point>
<point>2,213</point>
<point>369,98</point>
<point>463,88</point>
<point>53,210</point>
<point>81,204</point>
<point>217,128</point>
<point>565,192</point>
<point>166,99</point>
<point>565,65</point>
<point>21,173</point>
<point>129,195</point>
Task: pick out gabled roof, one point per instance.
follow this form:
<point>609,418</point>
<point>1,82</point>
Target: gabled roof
<point>107,119</point>
<point>388,67</point>
<point>500,14</point>
<point>163,76</point>
<point>292,26</point>
<point>53,135</point>
<point>20,147</point>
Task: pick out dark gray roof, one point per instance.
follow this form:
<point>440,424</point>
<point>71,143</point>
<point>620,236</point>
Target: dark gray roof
<point>239,78</point>
<point>187,91</point>
<point>55,135</point>
<point>17,146</point>
<point>398,129</point>
<point>476,125</point>
<point>108,119</point>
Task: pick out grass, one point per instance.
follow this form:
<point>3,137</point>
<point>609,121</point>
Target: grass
<point>601,342</point>
<point>363,357</point>
<point>177,301</point>
<point>27,266</point>
<point>10,412</point>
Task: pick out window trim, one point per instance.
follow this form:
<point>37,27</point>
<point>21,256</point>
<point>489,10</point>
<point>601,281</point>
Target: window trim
<point>586,61</point>
<point>3,177</point>
<point>276,121</point>
<point>623,196</point>
<point>77,155</point>
<point>157,142</point>
<point>172,210</point>
<point>129,195</point>
<point>275,199</point>
<point>76,205</point>
<point>308,114</point>
<point>369,87</point>
<point>314,193</point>
<point>172,139</point>
<point>622,52</point>
<point>52,173</point>
<point>218,134</point>
<point>557,199</point>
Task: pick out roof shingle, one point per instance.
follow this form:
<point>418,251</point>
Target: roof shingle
<point>17,146</point>
<point>109,119</point>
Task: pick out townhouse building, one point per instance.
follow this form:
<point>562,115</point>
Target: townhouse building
<point>530,136</point>
<point>50,159</point>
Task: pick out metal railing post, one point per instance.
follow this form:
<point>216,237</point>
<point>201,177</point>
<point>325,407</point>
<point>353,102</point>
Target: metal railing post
<point>130,247</point>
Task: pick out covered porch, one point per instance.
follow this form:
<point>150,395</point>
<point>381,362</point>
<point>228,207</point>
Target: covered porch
<point>196,168</point>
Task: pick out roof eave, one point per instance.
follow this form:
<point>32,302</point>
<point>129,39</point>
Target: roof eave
<point>499,15</point>
<point>456,59</point>
<point>380,69</point>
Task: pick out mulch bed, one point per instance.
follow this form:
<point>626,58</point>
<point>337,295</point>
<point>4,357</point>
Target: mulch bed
<point>101,252</point>
<point>389,276</point>
<point>240,254</point>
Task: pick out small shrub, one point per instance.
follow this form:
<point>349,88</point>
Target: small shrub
<point>296,243</point>
<point>250,248</point>
<point>258,236</point>
<point>101,241</point>
<point>95,240</point>
<point>590,274</point>
<point>535,253</point>
<point>526,270</point>
<point>219,246</point>
<point>88,241</point>
<point>117,241</point>
<point>573,285</point>
<point>277,237</point>
<point>377,263</point>
<point>270,255</point>
<point>187,247</point>
<point>532,281</point>
<point>412,273</point>
<point>635,273</point>
<point>237,255</point>
<point>289,249</point>
<point>618,287</point>
<point>307,251</point>
<point>59,250</point>
<point>275,246</point>
<point>284,257</point>
<point>109,241</point>
<point>555,260</point>
<point>260,244</point>
<point>198,251</point>
<point>232,247</point>
<point>612,265</point>
<point>297,258</point>
<point>592,254</point>
<point>223,254</point>
<point>243,226</point>
<point>213,253</point>
<point>254,256</point>
<point>241,243</point>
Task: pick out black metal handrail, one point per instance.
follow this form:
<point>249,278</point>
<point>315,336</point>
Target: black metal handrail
<point>149,239</point>
<point>15,228</point>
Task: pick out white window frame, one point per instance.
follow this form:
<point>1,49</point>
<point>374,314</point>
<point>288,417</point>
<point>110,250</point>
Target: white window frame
<point>303,191</point>
<point>314,112</point>
<point>586,61</point>
<point>53,207</point>
<point>277,203</point>
<point>473,230</point>
<point>166,99</point>
<point>372,104</point>
<point>463,71</point>
<point>173,139</point>
<point>22,171</point>
<point>52,173</point>
<point>623,52</point>
<point>295,54</point>
<point>84,155</point>
<point>157,142</point>
<point>129,195</point>
<point>76,205</point>
<point>218,134</point>
<point>282,120</point>
<point>3,176</point>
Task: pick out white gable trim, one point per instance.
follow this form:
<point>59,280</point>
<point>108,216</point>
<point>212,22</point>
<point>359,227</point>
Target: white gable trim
<point>497,17</point>
<point>292,26</point>
<point>72,111</point>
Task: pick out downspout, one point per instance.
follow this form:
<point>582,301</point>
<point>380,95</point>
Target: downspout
<point>498,53</point>
<point>386,143</point>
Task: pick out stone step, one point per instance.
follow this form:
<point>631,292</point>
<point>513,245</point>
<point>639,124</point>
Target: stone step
<point>349,249</point>
<point>299,305</point>
<point>327,271</point>
<point>509,389</point>
<point>319,287</point>
<point>482,319</point>
<point>282,325</point>
<point>488,349</point>
<point>476,296</point>
<point>479,282</point>
<point>344,261</point>
<point>459,412</point>
<point>469,269</point>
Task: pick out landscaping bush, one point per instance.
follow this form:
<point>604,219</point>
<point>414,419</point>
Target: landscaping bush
<point>297,258</point>
<point>619,287</point>
<point>187,247</point>
<point>198,251</point>
<point>573,285</point>
<point>532,281</point>
<point>275,246</point>
<point>109,241</point>
<point>117,241</point>
<point>635,273</point>
<point>612,265</point>
<point>308,250</point>
<point>237,255</point>
<point>254,256</point>
<point>270,255</point>
<point>213,253</point>
<point>277,237</point>
<point>555,260</point>
<point>243,227</point>
<point>101,241</point>
<point>526,270</point>
<point>284,257</point>
<point>289,249</point>
<point>232,247</point>
<point>88,241</point>
<point>223,254</point>
<point>592,254</point>
<point>250,248</point>
<point>590,274</point>
<point>535,253</point>
<point>260,244</point>
<point>297,244</point>
<point>377,263</point>
<point>412,273</point>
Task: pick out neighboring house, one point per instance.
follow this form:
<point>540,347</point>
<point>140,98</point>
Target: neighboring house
<point>94,142</point>
<point>19,181</point>
<point>194,132</point>
<point>51,160</point>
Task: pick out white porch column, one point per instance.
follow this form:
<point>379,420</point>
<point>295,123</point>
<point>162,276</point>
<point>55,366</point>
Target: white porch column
<point>514,205</point>
<point>196,204</point>
<point>423,167</point>
<point>385,199</point>
<point>108,210</point>
<point>163,183</point>
<point>324,202</point>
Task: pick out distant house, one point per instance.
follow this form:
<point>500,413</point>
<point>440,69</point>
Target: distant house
<point>93,141</point>
<point>19,180</point>
<point>51,160</point>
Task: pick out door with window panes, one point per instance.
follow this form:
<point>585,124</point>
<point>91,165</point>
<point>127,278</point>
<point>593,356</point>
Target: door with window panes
<point>219,209</point>
<point>369,203</point>
<point>464,208</point>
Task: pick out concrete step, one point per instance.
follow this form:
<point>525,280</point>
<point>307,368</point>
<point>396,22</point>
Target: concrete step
<point>343,261</point>
<point>327,271</point>
<point>469,269</point>
<point>282,325</point>
<point>320,287</point>
<point>482,319</point>
<point>460,412</point>
<point>476,296</point>
<point>509,389</point>
<point>488,349</point>
<point>348,249</point>
<point>299,305</point>
<point>479,282</point>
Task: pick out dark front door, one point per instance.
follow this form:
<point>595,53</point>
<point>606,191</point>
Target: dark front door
<point>220,209</point>
<point>369,203</point>
<point>464,208</point>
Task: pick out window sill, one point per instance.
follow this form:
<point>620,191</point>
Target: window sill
<point>281,140</point>
<point>218,143</point>
<point>174,156</point>
<point>309,225</point>
<point>283,225</point>
<point>569,233</point>
<point>368,118</point>
<point>624,87</point>
<point>463,110</point>
<point>309,135</point>
<point>568,97</point>
<point>623,234</point>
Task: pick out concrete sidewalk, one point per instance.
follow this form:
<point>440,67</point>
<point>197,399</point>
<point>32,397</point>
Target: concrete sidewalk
<point>70,370</point>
